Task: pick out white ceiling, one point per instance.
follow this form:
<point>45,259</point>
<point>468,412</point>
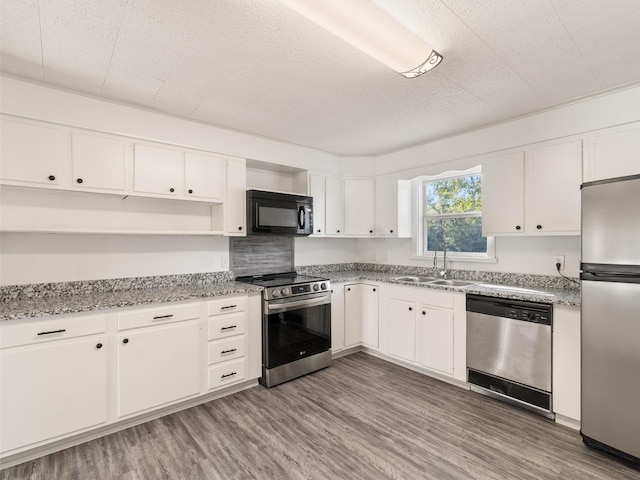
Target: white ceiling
<point>259,67</point>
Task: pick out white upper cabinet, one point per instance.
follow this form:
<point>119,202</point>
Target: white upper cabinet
<point>535,191</point>
<point>157,170</point>
<point>235,213</point>
<point>555,175</point>
<point>359,206</point>
<point>98,162</point>
<point>204,176</point>
<point>503,194</point>
<point>31,153</point>
<point>614,152</point>
<point>334,206</point>
<point>317,191</point>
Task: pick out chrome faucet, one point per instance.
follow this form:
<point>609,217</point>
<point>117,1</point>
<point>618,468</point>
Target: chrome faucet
<point>440,240</point>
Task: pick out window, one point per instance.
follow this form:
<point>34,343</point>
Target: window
<point>451,216</point>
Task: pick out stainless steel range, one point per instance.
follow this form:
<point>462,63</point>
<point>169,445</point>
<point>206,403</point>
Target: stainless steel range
<point>296,325</point>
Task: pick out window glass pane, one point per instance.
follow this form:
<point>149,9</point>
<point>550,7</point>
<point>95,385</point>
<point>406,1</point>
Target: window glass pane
<point>460,234</point>
<point>455,195</point>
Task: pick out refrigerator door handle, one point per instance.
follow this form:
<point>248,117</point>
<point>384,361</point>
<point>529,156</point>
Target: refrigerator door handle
<point>610,277</point>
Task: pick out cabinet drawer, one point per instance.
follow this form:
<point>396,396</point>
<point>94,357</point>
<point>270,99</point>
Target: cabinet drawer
<point>154,316</point>
<point>51,329</point>
<point>227,305</point>
<point>223,350</point>
<point>437,299</point>
<point>226,325</point>
<point>226,373</point>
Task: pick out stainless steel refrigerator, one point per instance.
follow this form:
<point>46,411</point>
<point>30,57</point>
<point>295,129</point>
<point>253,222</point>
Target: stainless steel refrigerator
<point>610,315</point>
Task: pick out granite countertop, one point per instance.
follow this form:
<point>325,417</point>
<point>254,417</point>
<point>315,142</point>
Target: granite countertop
<point>558,296</point>
<point>40,306</point>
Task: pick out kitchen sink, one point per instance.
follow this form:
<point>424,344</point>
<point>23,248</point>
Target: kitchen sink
<point>452,283</point>
<point>414,279</point>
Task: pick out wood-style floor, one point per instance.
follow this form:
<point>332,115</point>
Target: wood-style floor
<point>362,418</point>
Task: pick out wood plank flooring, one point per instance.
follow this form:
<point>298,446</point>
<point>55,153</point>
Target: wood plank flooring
<point>362,418</point>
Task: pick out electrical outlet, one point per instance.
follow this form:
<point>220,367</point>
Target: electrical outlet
<point>558,259</point>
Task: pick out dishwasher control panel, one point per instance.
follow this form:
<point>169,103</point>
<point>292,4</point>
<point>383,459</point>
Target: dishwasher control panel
<point>522,310</point>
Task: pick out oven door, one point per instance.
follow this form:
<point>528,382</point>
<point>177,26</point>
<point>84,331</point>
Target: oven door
<point>296,328</point>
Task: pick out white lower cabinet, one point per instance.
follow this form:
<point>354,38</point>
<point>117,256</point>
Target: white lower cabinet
<point>424,327</point>
<point>566,363</point>
<point>157,365</point>
<point>337,317</point>
<point>53,380</point>
<point>361,315</point>
<point>61,377</point>
<point>227,342</point>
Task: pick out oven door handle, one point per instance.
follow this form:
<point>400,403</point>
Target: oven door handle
<point>283,307</point>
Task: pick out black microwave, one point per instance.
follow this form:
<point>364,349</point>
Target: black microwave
<point>271,213</point>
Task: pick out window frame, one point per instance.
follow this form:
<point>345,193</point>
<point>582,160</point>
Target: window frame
<point>420,221</point>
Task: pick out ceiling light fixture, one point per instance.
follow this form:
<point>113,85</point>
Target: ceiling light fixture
<point>367,27</point>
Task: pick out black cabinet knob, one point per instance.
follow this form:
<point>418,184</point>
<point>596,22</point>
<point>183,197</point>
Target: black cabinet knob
<point>190,191</point>
<point>172,189</point>
<point>338,231</point>
<point>348,289</point>
<point>370,231</point>
<point>374,289</point>
<point>99,346</point>
<point>411,309</point>
<point>539,227</point>
<point>424,313</point>
<point>240,228</point>
<point>125,341</point>
<point>79,180</point>
<point>518,227</point>
<point>390,231</point>
<point>52,177</point>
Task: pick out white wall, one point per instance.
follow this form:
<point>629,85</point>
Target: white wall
<point>323,251</point>
<point>39,258</point>
<point>532,255</point>
<point>616,108</point>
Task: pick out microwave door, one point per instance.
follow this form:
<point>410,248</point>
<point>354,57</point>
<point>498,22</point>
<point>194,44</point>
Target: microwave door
<point>276,218</point>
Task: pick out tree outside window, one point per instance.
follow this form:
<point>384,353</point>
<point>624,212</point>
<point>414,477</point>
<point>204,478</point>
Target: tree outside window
<point>452,214</point>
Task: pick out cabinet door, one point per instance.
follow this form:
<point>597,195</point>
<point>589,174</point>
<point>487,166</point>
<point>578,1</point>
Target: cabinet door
<point>317,191</point>
<point>157,170</point>
<point>97,162</point>
<point>386,206</point>
<point>157,366</point>
<point>555,175</point>
<point>235,213</point>
<point>503,194</point>
<point>401,317</point>
<point>51,389</point>
<point>30,153</point>
<point>352,314</point>
<point>204,176</point>
<point>334,213</point>
<point>436,339</point>
<point>566,361</point>
<point>359,207</point>
<point>614,153</point>
<point>370,316</point>
<point>337,317</point>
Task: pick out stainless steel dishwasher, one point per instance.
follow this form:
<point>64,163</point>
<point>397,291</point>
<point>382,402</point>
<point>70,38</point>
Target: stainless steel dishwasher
<point>509,351</point>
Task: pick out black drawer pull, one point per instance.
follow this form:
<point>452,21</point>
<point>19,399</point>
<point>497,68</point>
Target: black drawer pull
<point>190,191</point>
<point>411,309</point>
<point>52,331</point>
<point>231,350</point>
<point>160,317</point>
<point>52,177</point>
<point>125,341</point>
<point>99,346</point>
<point>229,375</point>
<point>230,327</point>
<point>228,307</point>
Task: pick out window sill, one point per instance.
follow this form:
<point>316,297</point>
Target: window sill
<point>456,258</point>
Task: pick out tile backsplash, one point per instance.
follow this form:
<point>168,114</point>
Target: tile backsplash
<point>260,255</point>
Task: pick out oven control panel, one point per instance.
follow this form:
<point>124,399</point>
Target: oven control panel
<point>272,293</point>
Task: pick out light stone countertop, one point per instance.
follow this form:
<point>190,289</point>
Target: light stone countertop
<point>569,296</point>
<point>42,306</point>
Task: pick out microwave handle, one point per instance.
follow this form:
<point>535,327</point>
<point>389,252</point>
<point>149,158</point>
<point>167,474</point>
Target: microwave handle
<point>301,217</point>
